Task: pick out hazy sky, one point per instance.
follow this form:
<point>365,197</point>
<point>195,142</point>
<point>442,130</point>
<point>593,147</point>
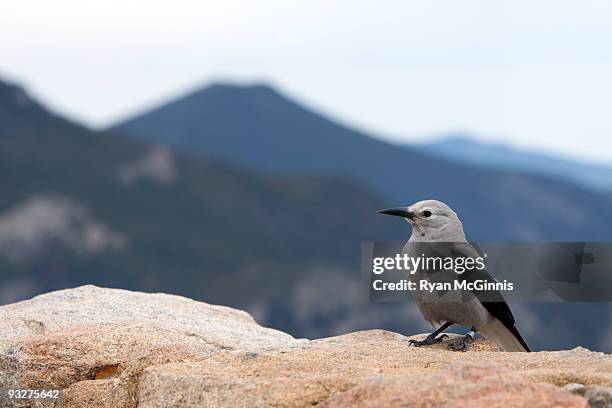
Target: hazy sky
<point>536,74</point>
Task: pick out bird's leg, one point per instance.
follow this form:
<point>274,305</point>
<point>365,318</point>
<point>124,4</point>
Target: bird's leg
<point>463,344</point>
<point>431,339</point>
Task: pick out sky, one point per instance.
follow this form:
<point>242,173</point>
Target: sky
<point>533,74</point>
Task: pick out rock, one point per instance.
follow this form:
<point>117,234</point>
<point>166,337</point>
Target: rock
<point>115,348</point>
<point>574,388</point>
<point>481,385</point>
<point>86,334</point>
<point>599,397</point>
<point>92,394</point>
<point>326,369</point>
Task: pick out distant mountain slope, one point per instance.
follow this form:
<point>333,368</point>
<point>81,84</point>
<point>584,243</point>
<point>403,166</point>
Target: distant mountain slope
<point>257,127</point>
<point>463,149</point>
<point>79,207</point>
<point>18,109</point>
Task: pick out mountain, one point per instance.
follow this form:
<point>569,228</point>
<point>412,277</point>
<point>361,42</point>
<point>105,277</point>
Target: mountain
<point>259,128</point>
<point>464,149</point>
<point>81,207</point>
<point>18,110</point>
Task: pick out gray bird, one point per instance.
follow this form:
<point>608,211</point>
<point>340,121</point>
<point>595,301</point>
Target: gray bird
<point>437,231</point>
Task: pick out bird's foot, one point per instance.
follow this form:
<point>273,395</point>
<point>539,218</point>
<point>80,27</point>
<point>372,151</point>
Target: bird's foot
<point>429,340</point>
<point>462,344</point>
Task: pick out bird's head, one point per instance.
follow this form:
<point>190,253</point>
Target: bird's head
<point>430,220</point>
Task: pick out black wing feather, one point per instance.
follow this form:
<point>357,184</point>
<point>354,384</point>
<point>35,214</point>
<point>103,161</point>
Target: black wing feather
<point>501,312</point>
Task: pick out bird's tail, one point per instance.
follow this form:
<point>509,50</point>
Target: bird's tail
<point>508,339</point>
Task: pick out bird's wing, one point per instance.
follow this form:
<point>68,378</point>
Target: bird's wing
<point>492,300</point>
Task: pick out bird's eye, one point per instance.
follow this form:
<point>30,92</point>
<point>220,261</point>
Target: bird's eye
<point>427,213</point>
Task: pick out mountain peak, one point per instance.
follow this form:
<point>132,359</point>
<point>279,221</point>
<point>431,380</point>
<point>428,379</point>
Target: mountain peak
<point>223,89</point>
<point>14,96</point>
<point>226,93</point>
<point>17,107</point>
<point>234,86</point>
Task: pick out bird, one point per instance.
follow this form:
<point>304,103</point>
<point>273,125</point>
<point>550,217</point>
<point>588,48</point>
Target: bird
<point>437,231</point>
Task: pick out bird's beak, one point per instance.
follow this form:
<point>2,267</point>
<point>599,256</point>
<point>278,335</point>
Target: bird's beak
<point>398,212</point>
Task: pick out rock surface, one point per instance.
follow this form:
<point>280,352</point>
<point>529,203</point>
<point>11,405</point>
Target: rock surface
<point>57,340</point>
<point>115,348</point>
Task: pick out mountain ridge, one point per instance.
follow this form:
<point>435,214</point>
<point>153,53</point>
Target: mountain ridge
<point>465,149</point>
<point>86,207</point>
<point>261,129</point>
<point>113,211</point>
